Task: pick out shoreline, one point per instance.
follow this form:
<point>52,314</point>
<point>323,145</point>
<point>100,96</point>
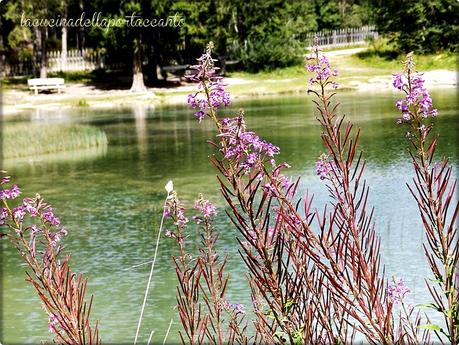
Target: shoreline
<point>79,96</point>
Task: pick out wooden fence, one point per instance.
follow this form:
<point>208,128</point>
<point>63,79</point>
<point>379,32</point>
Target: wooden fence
<point>22,68</point>
<point>76,60</point>
<point>342,38</point>
<point>89,59</point>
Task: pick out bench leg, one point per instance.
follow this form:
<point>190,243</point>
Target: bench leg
<point>36,91</point>
<point>58,90</point>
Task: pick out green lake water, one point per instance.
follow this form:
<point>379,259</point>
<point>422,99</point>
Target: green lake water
<point>110,201</point>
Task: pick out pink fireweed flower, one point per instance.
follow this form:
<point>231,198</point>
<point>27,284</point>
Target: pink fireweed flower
<point>323,166</point>
<point>57,236</point>
<point>417,102</point>
<point>30,207</point>
<point>53,323</point>
<point>19,213</point>
<point>34,230</point>
<point>3,216</point>
<point>237,308</point>
<point>205,75</point>
<point>396,292</point>
<point>169,233</point>
<point>49,217</point>
<point>207,209</point>
<point>399,81</point>
<point>175,210</point>
<point>5,180</point>
<point>15,191</point>
<point>12,193</point>
<point>319,64</point>
<point>181,220</point>
<point>244,147</point>
<point>270,188</point>
<point>5,194</point>
<point>285,182</point>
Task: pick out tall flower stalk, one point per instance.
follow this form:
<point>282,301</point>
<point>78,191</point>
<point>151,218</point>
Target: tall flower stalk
<point>243,160</point>
<point>349,232</point>
<point>206,316</point>
<point>434,192</point>
<point>36,232</point>
<point>309,285</point>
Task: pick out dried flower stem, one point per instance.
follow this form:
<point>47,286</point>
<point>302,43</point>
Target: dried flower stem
<point>150,276</point>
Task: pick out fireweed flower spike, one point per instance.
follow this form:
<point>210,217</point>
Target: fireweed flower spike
<point>201,280</point>
<point>397,290</point>
<point>211,93</point>
<point>36,232</point>
<point>433,190</point>
<point>318,64</point>
<point>207,209</point>
<point>323,166</point>
<point>243,148</point>
<point>417,102</point>
<point>349,221</point>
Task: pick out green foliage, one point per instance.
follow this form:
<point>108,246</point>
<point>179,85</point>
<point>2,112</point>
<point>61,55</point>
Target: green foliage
<point>76,77</point>
<point>206,21</point>
<point>82,103</point>
<point>336,14</point>
<point>268,44</point>
<point>262,35</point>
<point>432,327</point>
<point>383,53</point>
<point>19,39</point>
<point>270,54</point>
<point>423,26</point>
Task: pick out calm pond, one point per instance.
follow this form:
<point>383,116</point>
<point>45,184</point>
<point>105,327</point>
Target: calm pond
<point>110,201</point>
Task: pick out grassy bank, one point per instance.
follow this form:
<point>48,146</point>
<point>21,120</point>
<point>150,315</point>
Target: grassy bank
<point>375,64</point>
<point>378,61</point>
<point>27,140</point>
<point>356,68</point>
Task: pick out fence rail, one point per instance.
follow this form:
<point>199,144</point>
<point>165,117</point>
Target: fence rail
<point>343,37</point>
<point>75,60</point>
<point>89,59</point>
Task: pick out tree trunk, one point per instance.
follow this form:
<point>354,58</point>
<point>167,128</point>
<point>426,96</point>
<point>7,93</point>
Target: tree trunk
<point>43,72</point>
<point>80,34</point>
<point>2,57</point>
<point>137,79</point>
<point>64,42</point>
<point>36,46</point>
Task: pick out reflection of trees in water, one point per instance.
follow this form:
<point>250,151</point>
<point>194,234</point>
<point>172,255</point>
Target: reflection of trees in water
<point>53,115</point>
<point>139,110</point>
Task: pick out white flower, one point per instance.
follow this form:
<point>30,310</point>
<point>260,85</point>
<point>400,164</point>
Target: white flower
<point>169,187</point>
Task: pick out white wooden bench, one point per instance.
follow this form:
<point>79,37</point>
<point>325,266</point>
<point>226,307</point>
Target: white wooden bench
<point>46,84</point>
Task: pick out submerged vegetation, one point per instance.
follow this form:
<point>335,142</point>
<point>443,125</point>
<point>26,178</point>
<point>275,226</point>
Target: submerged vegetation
<point>29,140</point>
